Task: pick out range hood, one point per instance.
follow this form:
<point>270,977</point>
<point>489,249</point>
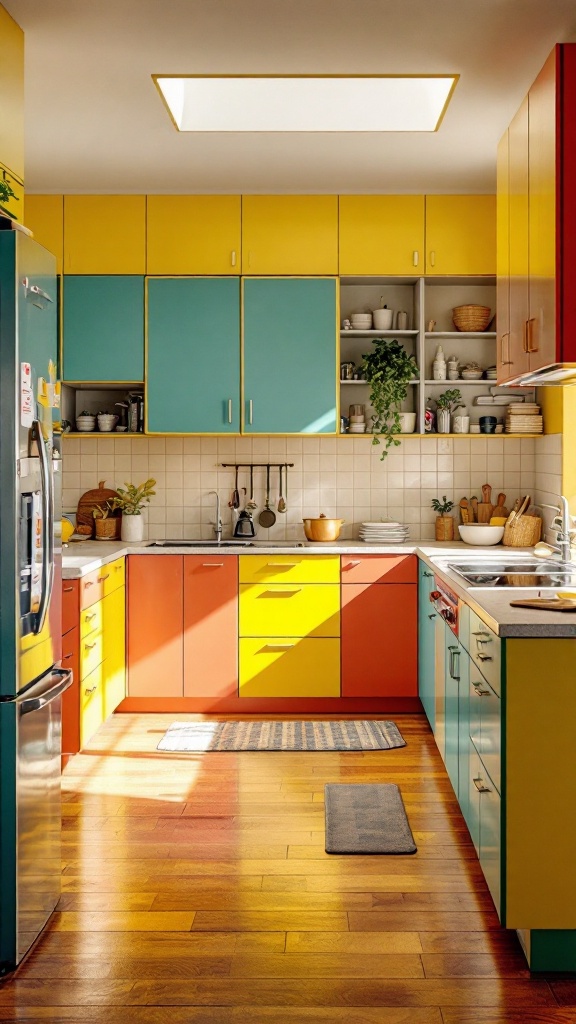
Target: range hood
<point>554,375</point>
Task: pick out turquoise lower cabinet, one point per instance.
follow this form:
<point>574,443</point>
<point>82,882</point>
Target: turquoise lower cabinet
<point>103,328</point>
<point>453,661</point>
<point>485,824</point>
<point>290,355</point>
<point>426,617</point>
<point>193,355</point>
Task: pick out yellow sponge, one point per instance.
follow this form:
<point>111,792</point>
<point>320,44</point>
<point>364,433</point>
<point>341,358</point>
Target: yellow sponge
<point>498,521</point>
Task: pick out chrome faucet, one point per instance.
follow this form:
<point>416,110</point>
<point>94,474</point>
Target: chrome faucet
<point>563,521</point>
<point>218,524</point>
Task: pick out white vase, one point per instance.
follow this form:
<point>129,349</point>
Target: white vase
<point>132,528</point>
<point>443,421</point>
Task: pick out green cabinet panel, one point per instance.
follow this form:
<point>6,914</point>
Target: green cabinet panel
<point>290,346</point>
<point>452,661</point>
<point>103,328</point>
<point>193,355</point>
<point>426,617</point>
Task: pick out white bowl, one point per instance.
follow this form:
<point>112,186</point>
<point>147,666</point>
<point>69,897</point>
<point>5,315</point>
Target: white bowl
<point>357,428</point>
<point>481,534</point>
<point>85,423</point>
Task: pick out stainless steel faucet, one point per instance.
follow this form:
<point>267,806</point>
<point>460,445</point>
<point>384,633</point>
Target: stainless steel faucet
<point>218,524</point>
<point>564,523</point>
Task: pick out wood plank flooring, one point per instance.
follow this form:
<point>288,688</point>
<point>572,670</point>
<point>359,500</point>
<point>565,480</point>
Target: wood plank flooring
<point>196,889</point>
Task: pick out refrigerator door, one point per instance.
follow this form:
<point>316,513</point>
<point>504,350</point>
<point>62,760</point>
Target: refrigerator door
<point>30,809</point>
<point>30,554</point>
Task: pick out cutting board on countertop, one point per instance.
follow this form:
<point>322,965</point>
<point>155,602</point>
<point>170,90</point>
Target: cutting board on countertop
<point>546,604</point>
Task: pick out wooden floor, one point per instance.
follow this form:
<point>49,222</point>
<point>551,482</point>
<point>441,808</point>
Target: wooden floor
<point>196,889</point>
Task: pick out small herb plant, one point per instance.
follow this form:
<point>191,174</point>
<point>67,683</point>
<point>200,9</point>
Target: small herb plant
<point>103,511</point>
<point>388,369</point>
<point>450,400</point>
<point>7,192</point>
<point>444,507</point>
<point>132,500</point>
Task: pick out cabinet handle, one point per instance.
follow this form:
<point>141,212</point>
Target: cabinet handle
<point>66,657</point>
<point>480,786</point>
<point>282,565</point>
<point>89,647</point>
<point>212,565</point>
<point>454,653</point>
<point>91,690</point>
<point>415,257</point>
<point>102,578</point>
<point>432,258</point>
<point>484,657</point>
<point>89,583</point>
<point>281,593</point>
<point>250,411</point>
<point>530,335</point>
<point>277,647</point>
<point>229,410</point>
<point>350,565</point>
<point>479,691</point>
<point>88,616</point>
<point>427,573</point>
<point>432,616</point>
<point>68,590</point>
<point>481,632</point>
<point>233,257</point>
<point>525,336</point>
<point>506,362</point>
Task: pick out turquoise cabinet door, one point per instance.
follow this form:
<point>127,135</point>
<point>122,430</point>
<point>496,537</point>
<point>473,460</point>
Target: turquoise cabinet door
<point>289,356</point>
<point>103,328</point>
<point>193,355</point>
<point>426,618</point>
<point>464,734</point>
<point>453,659</point>
<point>490,837</point>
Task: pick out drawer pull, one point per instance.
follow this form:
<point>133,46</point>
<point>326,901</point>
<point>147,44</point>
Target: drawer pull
<point>283,565</point>
<point>91,690</point>
<point>432,616</point>
<point>68,590</point>
<point>102,578</point>
<point>281,593</point>
<point>89,646</point>
<point>481,632</point>
<point>480,692</point>
<point>480,786</point>
<point>212,565</point>
<point>350,565</point>
<point>66,657</point>
<point>484,657</point>
<point>92,615</point>
<point>277,647</point>
<point>427,573</point>
<point>89,583</point>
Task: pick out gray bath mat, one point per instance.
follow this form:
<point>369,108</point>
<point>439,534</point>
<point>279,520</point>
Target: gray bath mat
<point>366,819</point>
<point>203,736</point>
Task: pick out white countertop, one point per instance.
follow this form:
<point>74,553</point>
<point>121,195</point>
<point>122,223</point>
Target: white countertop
<point>491,604</point>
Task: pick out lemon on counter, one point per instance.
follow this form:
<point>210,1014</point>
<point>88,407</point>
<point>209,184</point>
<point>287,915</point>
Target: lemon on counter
<point>67,529</point>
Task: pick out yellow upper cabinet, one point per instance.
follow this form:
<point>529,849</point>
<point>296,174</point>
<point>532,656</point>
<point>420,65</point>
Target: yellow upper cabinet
<point>290,235</point>
<point>460,235</point>
<point>381,235</point>
<point>193,235</point>
<point>11,95</point>
<point>104,234</point>
<point>44,216</point>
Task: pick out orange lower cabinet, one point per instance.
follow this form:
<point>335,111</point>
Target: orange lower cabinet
<point>71,697</point>
<point>379,640</point>
<point>210,626</point>
<point>379,569</point>
<point>70,597</point>
<point>154,625</point>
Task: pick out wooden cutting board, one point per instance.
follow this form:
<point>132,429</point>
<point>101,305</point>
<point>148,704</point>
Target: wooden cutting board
<point>86,505</point>
<point>547,604</point>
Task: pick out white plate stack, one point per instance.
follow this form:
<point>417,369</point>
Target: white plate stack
<point>384,533</point>
<point>524,418</point>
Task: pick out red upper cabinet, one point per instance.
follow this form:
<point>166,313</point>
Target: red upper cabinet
<point>154,625</point>
<point>210,626</point>
<point>541,227</point>
<point>379,640</point>
<point>379,569</point>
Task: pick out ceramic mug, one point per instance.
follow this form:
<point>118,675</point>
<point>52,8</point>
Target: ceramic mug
<point>460,424</point>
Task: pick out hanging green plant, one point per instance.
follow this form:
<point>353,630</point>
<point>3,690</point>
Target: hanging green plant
<point>7,193</point>
<point>388,369</point>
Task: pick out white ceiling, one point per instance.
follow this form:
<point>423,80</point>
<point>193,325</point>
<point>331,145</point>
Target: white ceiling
<point>95,121</point>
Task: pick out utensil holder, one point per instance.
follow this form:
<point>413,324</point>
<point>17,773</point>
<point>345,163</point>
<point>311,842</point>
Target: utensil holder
<point>522,531</point>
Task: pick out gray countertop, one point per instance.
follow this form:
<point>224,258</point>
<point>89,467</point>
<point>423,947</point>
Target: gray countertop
<point>491,604</point>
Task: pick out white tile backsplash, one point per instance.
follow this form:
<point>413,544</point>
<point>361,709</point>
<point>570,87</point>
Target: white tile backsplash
<point>339,476</point>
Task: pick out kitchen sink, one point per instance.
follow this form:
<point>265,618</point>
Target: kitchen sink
<point>508,573</point>
<point>201,544</point>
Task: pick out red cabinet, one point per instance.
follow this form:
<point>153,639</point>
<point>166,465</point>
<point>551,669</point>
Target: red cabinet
<point>71,698</point>
<point>379,626</point>
<point>154,625</point>
<point>210,626</point>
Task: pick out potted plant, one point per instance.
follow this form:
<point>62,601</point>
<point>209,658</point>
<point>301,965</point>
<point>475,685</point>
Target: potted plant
<point>133,500</point>
<point>6,193</point>
<point>444,521</point>
<point>446,404</point>
<point>107,520</point>
<point>388,369</point>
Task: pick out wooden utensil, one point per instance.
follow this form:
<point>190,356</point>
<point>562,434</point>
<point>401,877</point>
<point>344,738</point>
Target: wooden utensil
<point>547,604</point>
<point>522,506</point>
<point>485,507</point>
<point>473,509</point>
<point>267,517</point>
<point>464,514</point>
<point>500,510</point>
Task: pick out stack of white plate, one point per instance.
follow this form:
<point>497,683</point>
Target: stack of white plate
<point>524,418</point>
<point>384,533</point>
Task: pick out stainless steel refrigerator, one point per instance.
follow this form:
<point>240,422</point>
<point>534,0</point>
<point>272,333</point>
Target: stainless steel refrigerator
<point>31,680</point>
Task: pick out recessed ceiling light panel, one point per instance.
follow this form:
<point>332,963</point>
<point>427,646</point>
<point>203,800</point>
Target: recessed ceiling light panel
<point>301,103</point>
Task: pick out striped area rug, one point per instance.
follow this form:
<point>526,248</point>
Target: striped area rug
<point>289,735</point>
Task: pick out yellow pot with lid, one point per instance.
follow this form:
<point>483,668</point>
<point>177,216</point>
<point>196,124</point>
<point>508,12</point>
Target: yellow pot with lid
<point>322,529</point>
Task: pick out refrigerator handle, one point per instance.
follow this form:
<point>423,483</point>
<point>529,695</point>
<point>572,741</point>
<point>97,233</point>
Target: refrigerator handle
<point>47,527</point>
<point>28,704</point>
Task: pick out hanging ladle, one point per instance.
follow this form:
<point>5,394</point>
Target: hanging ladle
<point>281,502</point>
<point>267,517</point>
<point>251,504</point>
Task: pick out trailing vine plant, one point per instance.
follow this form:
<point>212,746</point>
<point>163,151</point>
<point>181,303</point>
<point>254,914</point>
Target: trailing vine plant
<point>388,369</point>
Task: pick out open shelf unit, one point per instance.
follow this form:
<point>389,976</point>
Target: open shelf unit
<point>424,299</point>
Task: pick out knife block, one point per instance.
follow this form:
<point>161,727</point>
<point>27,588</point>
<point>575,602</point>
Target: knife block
<point>522,532</point>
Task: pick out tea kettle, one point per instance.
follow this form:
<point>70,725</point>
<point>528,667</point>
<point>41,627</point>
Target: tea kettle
<point>245,525</point>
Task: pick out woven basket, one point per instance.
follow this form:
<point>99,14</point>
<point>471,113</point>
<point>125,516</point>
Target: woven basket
<point>444,528</point>
<point>88,502</point>
<point>522,532</point>
<point>471,317</point>
<point>109,528</point>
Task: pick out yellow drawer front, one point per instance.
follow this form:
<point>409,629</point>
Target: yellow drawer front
<point>289,568</point>
<point>309,610</point>
<point>113,576</point>
<point>91,705</point>
<point>114,650</point>
<point>289,667</point>
<point>91,619</point>
<point>91,653</point>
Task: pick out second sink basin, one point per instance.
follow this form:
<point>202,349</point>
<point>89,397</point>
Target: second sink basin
<point>526,573</point>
